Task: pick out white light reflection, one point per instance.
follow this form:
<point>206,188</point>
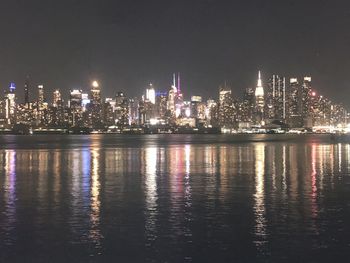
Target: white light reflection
<point>151,155</point>
<point>188,195</point>
<point>56,174</point>
<point>259,198</point>
<point>10,193</point>
<point>314,209</point>
<point>43,158</point>
<point>339,157</point>
<point>95,233</point>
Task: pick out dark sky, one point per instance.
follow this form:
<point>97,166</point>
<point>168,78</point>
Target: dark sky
<point>127,44</point>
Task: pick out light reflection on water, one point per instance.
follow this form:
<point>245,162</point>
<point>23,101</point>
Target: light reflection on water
<point>177,202</point>
<point>259,207</point>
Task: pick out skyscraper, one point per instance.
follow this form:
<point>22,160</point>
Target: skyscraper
<point>259,102</point>
<point>56,98</point>
<point>305,103</point>
<point>11,104</point>
<point>226,107</point>
<point>40,97</point>
<point>95,106</point>
<point>151,94</point>
<point>26,92</point>
<point>294,117</point>
<point>95,93</point>
<point>121,113</point>
<point>247,108</point>
<point>275,106</point>
<point>75,105</point>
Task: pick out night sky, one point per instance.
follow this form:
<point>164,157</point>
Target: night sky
<point>127,44</point>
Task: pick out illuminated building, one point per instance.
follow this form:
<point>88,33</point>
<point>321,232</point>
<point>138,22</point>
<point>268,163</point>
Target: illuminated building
<point>75,99</point>
<point>95,106</point>
<point>10,102</point>
<point>56,112</point>
<point>121,113</point>
<point>305,102</point>
<point>195,101</point>
<point>226,109</point>
<point>133,106</point>
<point>26,92</point>
<point>3,120</point>
<point>259,102</point>
<point>275,106</point>
<point>247,107</point>
<point>294,117</point>
<point>75,105</point>
<point>108,112</point>
<point>151,94</point>
<point>212,119</point>
<point>85,101</point>
<point>198,110</point>
<point>171,101</point>
<point>40,97</point>
<point>186,121</point>
<point>161,105</point>
<point>57,99</point>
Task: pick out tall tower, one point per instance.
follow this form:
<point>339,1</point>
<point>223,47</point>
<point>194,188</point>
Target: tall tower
<point>11,104</point>
<point>293,113</point>
<point>56,98</point>
<point>275,99</point>
<point>151,94</point>
<point>26,92</point>
<point>95,105</point>
<point>226,113</point>
<point>95,93</point>
<point>40,96</point>
<point>305,103</point>
<point>259,102</point>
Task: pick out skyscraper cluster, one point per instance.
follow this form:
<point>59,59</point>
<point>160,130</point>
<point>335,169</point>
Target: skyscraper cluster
<point>276,103</point>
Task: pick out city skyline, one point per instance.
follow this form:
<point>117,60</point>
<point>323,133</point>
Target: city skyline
<point>274,105</point>
<point>29,87</point>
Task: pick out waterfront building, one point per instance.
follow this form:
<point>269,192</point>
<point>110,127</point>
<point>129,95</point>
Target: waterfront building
<point>10,102</point>
<point>57,98</point>
<point>75,106</point>
<point>226,107</point>
<point>121,113</point>
<point>211,114</point>
<point>94,108</point>
<point>161,105</point>
<point>247,107</point>
<point>40,97</point>
<point>151,94</point>
<point>259,102</point>
<point>305,102</point>
<point>26,92</point>
<point>294,117</point>
<point>133,111</point>
<point>275,105</point>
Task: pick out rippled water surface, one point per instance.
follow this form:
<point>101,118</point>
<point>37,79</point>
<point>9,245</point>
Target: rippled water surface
<point>174,198</point>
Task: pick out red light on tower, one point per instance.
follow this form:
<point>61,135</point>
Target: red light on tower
<point>313,94</point>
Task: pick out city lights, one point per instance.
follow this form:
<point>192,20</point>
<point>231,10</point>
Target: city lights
<point>273,106</point>
<point>95,84</point>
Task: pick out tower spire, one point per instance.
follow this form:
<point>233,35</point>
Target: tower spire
<point>259,91</point>
<point>259,80</point>
<point>178,82</point>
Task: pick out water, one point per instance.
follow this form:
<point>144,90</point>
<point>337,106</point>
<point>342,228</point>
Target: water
<point>174,198</point>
